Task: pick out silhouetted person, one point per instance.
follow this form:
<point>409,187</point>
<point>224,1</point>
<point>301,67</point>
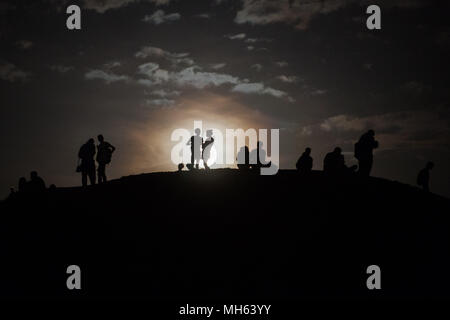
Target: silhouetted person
<point>260,155</point>
<point>86,154</point>
<point>36,183</point>
<point>423,178</point>
<point>305,162</point>
<point>104,155</point>
<point>180,167</point>
<point>196,143</point>
<point>22,184</point>
<point>206,148</point>
<point>364,152</point>
<point>334,163</point>
<point>243,158</point>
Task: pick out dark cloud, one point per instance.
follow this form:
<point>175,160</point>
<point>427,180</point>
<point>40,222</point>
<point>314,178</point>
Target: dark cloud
<point>108,77</point>
<point>299,13</point>
<point>288,79</point>
<point>160,17</point>
<point>218,66</point>
<point>61,68</point>
<point>174,58</point>
<point>238,36</point>
<point>102,6</point>
<point>12,73</point>
<point>24,44</point>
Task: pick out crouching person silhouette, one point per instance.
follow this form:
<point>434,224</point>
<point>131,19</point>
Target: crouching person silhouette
<point>104,154</point>
<point>334,163</point>
<point>36,183</point>
<point>243,159</point>
<point>305,162</point>
<point>87,166</point>
<point>258,155</point>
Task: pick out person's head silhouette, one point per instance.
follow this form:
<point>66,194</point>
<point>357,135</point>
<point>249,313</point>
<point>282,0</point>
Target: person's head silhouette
<point>100,138</point>
<point>337,150</point>
<point>308,151</point>
<point>33,175</point>
<point>371,133</point>
<point>197,132</point>
<point>430,165</point>
<point>209,133</point>
<point>91,141</point>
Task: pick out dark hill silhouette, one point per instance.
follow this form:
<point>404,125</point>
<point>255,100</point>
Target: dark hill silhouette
<point>224,234</point>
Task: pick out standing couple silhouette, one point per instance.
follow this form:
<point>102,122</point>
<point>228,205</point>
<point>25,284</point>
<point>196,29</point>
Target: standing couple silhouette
<point>200,150</point>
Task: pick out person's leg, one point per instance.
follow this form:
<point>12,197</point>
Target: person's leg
<point>104,173</point>
<point>362,164</point>
<point>84,178</point>
<point>92,176</point>
<point>369,165</point>
<point>101,173</point>
<point>197,160</point>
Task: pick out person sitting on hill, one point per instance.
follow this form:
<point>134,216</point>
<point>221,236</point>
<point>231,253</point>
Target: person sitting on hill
<point>243,159</point>
<point>22,184</point>
<point>259,154</point>
<point>305,162</point>
<point>334,163</point>
<point>36,183</point>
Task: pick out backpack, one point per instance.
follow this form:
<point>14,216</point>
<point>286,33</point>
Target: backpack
<point>104,155</point>
<point>107,156</point>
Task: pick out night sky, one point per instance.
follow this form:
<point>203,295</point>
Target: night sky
<point>137,70</point>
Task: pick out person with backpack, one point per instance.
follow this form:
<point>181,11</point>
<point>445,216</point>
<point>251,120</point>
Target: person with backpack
<point>364,152</point>
<point>87,166</point>
<point>104,155</point>
<point>423,178</point>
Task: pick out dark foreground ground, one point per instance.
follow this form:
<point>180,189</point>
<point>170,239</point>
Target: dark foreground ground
<point>224,235</point>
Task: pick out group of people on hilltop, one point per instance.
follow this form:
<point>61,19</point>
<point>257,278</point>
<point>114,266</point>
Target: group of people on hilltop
<point>86,164</point>
<point>252,160</point>
<point>201,150</point>
<point>35,184</point>
<point>334,162</point>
